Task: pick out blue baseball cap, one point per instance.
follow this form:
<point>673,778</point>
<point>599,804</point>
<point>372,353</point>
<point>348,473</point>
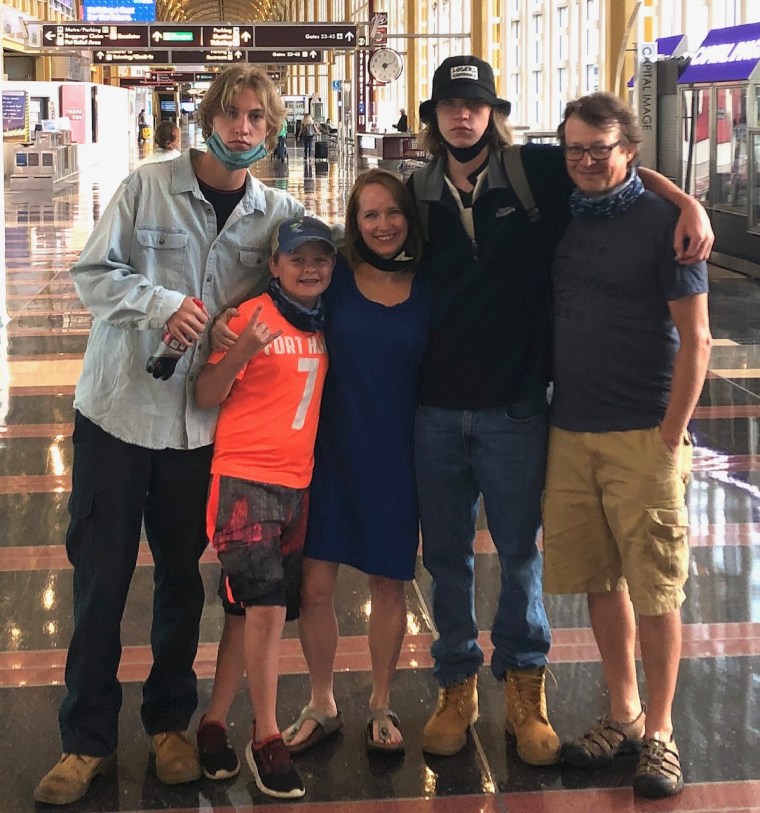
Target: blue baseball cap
<point>296,231</point>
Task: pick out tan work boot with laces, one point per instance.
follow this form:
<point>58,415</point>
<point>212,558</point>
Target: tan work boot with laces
<point>445,733</point>
<point>177,759</point>
<point>71,777</point>
<point>526,717</point>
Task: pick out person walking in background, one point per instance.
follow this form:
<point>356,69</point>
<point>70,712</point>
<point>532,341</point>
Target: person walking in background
<point>403,123</point>
<point>166,142</point>
<point>141,125</point>
<point>175,233</point>
<point>494,216</point>
<point>307,132</point>
<point>632,345</point>
<point>269,385</point>
<point>281,150</point>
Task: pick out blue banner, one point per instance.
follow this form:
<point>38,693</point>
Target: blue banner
<point>726,55</point>
<point>119,11</point>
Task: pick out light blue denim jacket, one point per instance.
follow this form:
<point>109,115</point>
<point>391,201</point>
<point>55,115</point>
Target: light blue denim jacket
<point>155,244</point>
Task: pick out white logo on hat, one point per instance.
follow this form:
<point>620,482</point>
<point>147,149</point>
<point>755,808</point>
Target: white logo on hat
<point>465,72</point>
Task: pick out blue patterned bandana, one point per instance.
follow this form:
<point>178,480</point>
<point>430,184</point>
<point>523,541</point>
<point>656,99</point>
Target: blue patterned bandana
<point>310,321</point>
<point>612,204</point>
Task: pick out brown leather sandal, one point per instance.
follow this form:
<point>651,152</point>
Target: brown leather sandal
<point>606,740</point>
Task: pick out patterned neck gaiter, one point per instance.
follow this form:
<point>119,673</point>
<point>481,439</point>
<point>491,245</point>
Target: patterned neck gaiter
<point>612,204</point>
<point>310,321</point>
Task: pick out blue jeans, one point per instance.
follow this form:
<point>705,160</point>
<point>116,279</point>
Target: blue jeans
<point>500,453</point>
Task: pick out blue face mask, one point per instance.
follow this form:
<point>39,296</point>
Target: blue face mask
<point>234,160</point>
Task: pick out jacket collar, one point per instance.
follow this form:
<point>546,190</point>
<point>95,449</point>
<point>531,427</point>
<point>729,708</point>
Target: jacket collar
<point>432,183</point>
<point>183,179</point>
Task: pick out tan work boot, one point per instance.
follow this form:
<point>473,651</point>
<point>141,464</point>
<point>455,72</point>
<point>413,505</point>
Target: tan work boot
<point>70,778</point>
<point>526,718</point>
<point>445,733</point>
<point>176,758</point>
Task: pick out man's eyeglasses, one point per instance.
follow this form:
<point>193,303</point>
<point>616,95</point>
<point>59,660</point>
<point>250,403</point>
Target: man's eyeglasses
<point>599,152</point>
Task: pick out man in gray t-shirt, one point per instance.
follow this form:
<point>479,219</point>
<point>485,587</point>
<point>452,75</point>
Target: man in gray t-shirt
<point>632,344</point>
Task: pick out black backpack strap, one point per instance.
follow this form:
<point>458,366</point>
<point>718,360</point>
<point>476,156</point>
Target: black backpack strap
<point>513,166</point>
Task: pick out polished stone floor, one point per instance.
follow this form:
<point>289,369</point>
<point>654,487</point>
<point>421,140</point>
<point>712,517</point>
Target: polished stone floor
<point>717,711</point>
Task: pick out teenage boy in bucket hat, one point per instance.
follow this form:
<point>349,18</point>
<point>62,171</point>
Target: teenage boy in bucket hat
<point>493,216</point>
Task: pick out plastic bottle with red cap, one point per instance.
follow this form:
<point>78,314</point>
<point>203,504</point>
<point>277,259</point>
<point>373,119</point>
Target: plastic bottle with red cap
<point>164,360</point>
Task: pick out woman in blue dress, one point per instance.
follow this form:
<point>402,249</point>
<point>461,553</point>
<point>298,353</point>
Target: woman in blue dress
<point>363,504</point>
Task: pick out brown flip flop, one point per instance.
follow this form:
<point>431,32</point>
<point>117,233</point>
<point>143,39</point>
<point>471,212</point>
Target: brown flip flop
<point>377,746</point>
<point>325,727</point>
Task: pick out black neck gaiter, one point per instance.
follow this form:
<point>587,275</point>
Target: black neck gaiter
<point>401,262</point>
<point>465,154</point>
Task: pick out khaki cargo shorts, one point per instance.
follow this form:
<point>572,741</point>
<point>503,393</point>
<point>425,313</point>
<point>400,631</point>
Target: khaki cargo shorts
<point>614,512</point>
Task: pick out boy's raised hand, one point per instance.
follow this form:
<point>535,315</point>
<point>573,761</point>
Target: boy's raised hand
<point>256,335</point>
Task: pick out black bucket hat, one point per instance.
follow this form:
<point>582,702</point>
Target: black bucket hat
<point>463,77</point>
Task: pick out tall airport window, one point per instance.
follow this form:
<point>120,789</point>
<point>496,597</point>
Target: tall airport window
<point>562,80</point>
<point>695,152</point>
<point>725,13</point>
<point>592,10</point>
<point>514,97</point>
<point>514,43</point>
<point>538,44</point>
<point>562,45</point>
<point>731,147</point>
<point>592,78</point>
<point>592,40</point>
<point>537,97</point>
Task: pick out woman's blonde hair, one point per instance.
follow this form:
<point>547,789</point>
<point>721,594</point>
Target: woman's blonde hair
<point>403,198</point>
<point>221,96</point>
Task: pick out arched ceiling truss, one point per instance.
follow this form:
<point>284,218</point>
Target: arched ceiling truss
<point>230,11</point>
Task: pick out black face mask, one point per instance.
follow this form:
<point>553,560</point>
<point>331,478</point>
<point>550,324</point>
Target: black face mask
<point>403,261</point>
<point>465,154</point>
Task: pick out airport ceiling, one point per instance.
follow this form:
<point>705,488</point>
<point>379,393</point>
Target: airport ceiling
<point>232,11</point>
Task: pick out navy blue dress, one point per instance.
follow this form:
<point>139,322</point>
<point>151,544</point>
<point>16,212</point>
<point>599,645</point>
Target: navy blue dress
<point>363,504</point>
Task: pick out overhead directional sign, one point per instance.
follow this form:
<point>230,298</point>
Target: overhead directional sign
<point>227,36</point>
<point>314,35</point>
<point>206,57</point>
<point>147,57</point>
<point>74,35</point>
<point>160,78</point>
<point>286,57</point>
<point>308,38</point>
<point>176,36</point>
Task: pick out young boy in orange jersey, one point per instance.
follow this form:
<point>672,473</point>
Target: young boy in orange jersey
<point>269,385</point>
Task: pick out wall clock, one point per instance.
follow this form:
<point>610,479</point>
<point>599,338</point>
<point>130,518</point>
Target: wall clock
<point>385,65</point>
